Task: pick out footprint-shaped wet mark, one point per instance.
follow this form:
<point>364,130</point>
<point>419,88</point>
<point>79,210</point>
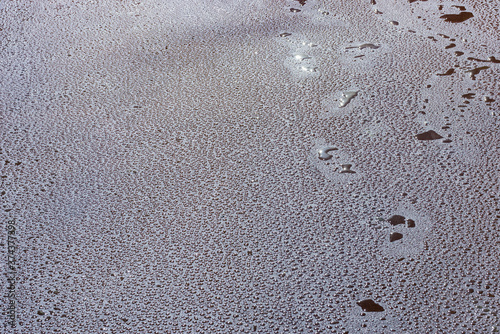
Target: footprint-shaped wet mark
<point>334,163</point>
<point>396,220</point>
<point>324,154</point>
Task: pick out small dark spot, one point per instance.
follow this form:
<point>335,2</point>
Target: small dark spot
<point>458,53</point>
<point>295,10</point>
<point>410,223</point>
<point>285,34</point>
<point>452,45</point>
<point>40,312</point>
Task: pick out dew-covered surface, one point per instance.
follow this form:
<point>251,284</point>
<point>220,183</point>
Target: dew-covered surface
<point>185,167</point>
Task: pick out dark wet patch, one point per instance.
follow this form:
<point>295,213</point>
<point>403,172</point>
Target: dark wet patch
<point>449,72</point>
<point>395,236</point>
<point>369,305</point>
<point>462,8</point>
<point>285,34</point>
<point>396,220</point>
<point>373,2</point>
<point>429,135</point>
<point>476,71</point>
<point>489,60</point>
<point>410,223</point>
<point>457,18</point>
<point>302,2</point>
<point>452,45</point>
<point>469,95</point>
<point>458,53</point>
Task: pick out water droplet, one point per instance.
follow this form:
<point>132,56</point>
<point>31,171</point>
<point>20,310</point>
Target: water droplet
<point>346,168</point>
<point>301,57</point>
<point>347,97</point>
<point>295,10</point>
<point>476,71</point>
<point>395,236</point>
<point>461,8</point>
<point>323,152</point>
<point>489,60</point>
<point>449,72</point>
<point>285,34</point>
<point>364,46</point>
<point>309,69</point>
<point>394,23</point>
<point>396,220</point>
